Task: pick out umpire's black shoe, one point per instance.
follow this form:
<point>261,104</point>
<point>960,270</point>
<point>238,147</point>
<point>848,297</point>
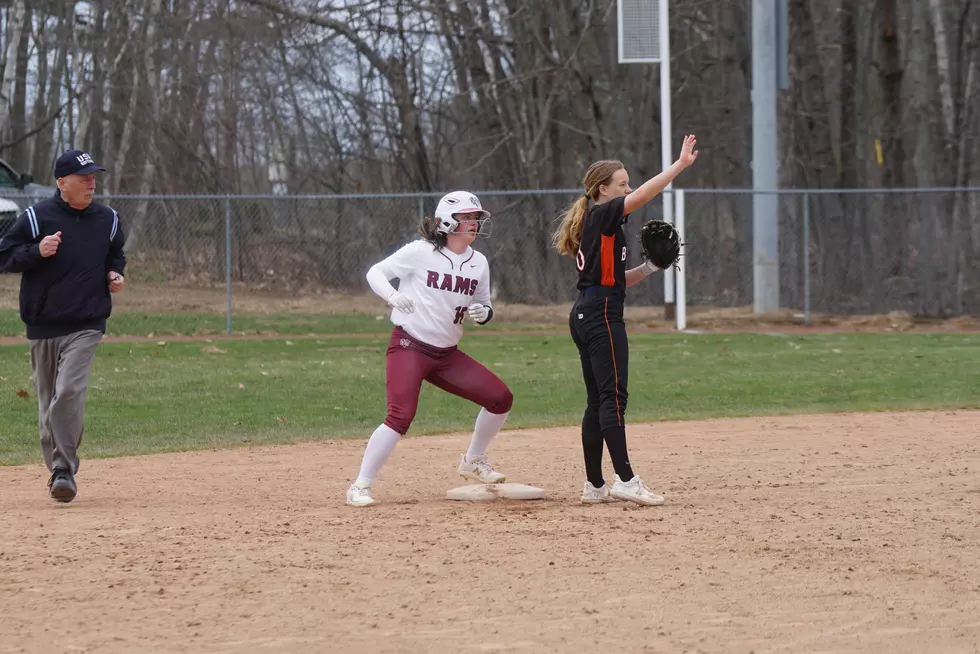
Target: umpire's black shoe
<point>61,486</point>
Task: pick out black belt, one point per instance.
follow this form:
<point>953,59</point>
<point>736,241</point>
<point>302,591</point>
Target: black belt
<point>603,291</point>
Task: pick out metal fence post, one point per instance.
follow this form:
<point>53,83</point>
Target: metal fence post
<point>680,279</point>
<point>228,264</point>
<point>806,258</point>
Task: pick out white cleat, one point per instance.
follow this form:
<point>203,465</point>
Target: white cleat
<point>359,496</point>
<point>634,491</point>
<point>479,469</point>
<point>593,495</point>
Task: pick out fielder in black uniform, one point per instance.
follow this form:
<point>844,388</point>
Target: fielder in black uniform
<point>592,232</point>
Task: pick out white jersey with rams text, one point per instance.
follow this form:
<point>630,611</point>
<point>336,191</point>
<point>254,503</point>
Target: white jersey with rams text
<point>442,284</point>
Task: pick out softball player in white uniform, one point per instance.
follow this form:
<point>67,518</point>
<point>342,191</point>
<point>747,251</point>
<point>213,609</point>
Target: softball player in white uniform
<point>442,280</point>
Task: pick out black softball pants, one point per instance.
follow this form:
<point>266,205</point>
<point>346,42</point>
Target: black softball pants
<point>598,330</point>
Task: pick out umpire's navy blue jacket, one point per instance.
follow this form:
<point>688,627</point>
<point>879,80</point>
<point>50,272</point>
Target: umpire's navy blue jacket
<point>69,291</point>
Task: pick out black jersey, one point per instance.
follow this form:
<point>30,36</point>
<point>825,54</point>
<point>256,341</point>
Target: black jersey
<point>601,257</point>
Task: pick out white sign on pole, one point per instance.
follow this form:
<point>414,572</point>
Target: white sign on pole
<point>638,27</point>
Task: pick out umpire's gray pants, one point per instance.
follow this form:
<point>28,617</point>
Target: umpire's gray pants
<point>61,370</point>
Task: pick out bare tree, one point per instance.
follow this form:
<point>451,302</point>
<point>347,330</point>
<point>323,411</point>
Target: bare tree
<point>208,96</point>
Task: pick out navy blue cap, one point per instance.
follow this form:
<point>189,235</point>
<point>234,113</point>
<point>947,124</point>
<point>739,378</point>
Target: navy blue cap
<point>75,162</point>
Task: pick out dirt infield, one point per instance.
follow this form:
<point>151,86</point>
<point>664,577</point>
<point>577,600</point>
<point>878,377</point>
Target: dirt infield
<point>837,533</point>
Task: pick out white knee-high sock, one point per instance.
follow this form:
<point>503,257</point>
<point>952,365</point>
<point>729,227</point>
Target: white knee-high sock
<point>487,426</point>
<point>379,447</point>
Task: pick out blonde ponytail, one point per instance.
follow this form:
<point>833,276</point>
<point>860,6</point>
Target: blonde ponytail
<point>568,237</point>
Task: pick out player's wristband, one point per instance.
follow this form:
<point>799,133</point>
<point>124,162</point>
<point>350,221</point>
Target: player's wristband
<point>647,268</point>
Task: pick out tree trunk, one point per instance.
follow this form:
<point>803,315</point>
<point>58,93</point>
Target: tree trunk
<point>129,125</point>
<point>18,110</point>
<point>890,80</point>
<point>151,73</point>
<point>18,24</point>
<point>943,68</point>
<point>96,135</point>
<point>44,155</point>
<point>848,106</point>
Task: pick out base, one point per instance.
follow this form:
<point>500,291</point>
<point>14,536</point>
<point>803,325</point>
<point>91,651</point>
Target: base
<point>487,492</point>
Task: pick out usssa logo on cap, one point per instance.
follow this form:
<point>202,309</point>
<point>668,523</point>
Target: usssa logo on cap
<point>75,162</point>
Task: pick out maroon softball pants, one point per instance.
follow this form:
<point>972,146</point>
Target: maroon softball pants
<point>409,362</point>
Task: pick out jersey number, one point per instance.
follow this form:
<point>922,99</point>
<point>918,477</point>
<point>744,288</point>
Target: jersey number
<point>624,253</point>
<point>460,312</point>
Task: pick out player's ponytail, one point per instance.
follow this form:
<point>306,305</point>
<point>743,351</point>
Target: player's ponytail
<point>568,237</point>
<point>429,230</point>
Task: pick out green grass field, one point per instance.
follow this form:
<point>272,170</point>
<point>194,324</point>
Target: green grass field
<point>130,323</point>
<point>146,397</point>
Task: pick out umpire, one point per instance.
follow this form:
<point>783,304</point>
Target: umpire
<point>69,251</point>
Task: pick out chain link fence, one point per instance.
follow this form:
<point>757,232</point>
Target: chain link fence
<point>841,252</point>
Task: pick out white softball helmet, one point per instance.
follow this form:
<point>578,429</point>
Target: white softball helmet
<point>460,202</point>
